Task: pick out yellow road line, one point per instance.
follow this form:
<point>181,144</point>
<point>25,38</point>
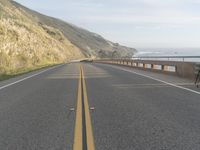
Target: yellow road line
<point>78,124</point>
<point>90,138</point>
<point>78,134</point>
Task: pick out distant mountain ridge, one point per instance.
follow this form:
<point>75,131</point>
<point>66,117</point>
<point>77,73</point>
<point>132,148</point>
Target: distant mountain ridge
<point>29,39</point>
<point>90,43</point>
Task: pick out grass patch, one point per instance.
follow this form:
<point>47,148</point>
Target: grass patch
<point>23,71</point>
<point>5,77</point>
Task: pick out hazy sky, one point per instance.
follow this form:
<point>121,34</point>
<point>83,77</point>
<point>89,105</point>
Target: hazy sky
<point>136,23</point>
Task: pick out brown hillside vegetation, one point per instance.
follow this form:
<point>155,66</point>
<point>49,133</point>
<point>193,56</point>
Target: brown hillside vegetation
<point>25,44</point>
<point>29,40</point>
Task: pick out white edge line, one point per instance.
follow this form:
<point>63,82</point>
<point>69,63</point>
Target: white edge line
<point>5,86</point>
<point>171,84</point>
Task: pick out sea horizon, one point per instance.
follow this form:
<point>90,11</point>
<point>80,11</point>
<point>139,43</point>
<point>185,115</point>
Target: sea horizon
<point>151,52</point>
<point>168,52</point>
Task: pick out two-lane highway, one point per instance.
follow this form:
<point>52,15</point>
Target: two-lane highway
<point>131,111</point>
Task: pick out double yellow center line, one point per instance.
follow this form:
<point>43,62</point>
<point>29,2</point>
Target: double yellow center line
<point>83,136</point>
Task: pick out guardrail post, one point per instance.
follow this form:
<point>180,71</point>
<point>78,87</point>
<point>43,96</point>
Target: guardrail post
<point>152,66</point>
<point>136,64</point>
<point>162,67</point>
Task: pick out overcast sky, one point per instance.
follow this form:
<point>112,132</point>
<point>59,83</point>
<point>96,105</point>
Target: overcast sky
<point>136,23</point>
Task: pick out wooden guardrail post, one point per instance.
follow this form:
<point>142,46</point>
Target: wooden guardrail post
<point>152,66</point>
<point>163,67</point>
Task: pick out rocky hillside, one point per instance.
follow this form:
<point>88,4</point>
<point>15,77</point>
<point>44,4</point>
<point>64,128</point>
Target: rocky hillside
<point>25,44</point>
<point>29,39</point>
<point>90,43</point>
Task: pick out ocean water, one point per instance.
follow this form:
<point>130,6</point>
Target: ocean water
<point>170,52</point>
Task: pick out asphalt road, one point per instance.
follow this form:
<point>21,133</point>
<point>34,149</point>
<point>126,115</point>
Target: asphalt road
<point>129,111</point>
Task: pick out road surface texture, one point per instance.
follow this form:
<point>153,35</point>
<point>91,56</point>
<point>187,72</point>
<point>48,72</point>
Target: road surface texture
<point>118,108</point>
